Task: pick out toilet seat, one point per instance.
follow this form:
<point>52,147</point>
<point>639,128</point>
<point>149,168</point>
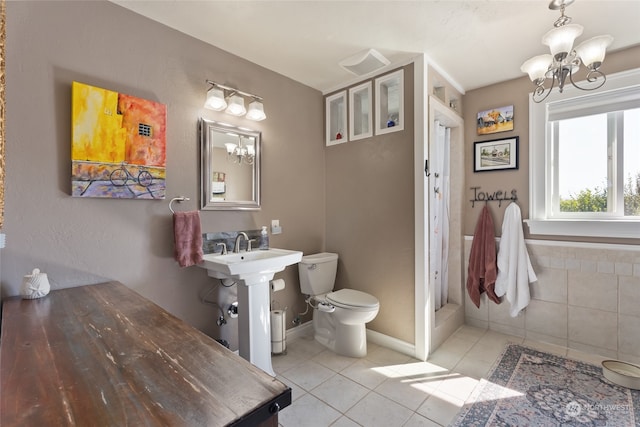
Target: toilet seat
<point>353,300</point>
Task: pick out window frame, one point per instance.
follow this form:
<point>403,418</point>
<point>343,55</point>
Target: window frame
<point>540,221</point>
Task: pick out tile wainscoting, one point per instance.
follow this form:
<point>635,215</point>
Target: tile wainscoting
<point>587,297</point>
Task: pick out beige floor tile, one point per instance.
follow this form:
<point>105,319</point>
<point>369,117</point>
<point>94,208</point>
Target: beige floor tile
<point>308,411</point>
<point>378,411</point>
<point>367,373</point>
<point>441,408</point>
<point>309,375</point>
<point>388,388</point>
<point>340,392</point>
<point>333,361</point>
<point>402,392</point>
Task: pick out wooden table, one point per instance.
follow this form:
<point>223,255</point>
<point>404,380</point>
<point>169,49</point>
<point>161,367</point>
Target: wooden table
<point>102,355</point>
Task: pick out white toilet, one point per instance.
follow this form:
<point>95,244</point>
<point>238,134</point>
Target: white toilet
<point>338,317</point>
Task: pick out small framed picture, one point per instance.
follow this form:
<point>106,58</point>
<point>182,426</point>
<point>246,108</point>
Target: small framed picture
<point>495,120</point>
<point>497,154</point>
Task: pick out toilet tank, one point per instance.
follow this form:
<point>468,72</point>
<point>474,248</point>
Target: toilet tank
<point>318,273</point>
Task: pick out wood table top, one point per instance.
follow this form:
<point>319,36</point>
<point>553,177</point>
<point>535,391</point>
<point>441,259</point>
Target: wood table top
<point>102,355</point>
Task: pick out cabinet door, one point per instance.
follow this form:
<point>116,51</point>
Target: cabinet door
<point>390,103</point>
<point>360,112</point>
<point>336,118</point>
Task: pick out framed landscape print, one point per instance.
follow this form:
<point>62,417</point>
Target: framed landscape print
<point>497,154</point>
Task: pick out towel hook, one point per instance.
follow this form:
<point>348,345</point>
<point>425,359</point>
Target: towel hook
<point>177,199</point>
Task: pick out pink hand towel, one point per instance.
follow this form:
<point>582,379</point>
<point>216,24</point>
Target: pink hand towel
<point>483,269</point>
<point>188,238</point>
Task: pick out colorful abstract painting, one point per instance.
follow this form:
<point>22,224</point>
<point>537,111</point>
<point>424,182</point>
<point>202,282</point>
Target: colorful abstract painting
<point>118,145</point>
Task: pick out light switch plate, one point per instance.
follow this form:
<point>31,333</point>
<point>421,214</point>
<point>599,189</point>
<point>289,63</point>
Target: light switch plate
<point>275,226</point>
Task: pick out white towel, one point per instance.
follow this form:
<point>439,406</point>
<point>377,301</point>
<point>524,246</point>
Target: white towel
<point>217,187</point>
<point>514,266</point>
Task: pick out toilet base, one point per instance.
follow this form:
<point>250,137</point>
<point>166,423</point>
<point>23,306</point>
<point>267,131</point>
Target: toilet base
<point>345,340</point>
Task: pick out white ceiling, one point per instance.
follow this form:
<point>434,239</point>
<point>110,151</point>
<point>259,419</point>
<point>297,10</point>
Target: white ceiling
<point>476,43</point>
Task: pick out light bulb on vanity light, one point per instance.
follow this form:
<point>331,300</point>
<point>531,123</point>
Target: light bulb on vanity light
<point>215,99</point>
<point>235,105</point>
<point>256,111</point>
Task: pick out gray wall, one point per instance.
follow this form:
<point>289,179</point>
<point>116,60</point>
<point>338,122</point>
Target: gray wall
<point>516,93</point>
<point>86,241</point>
<point>370,220</point>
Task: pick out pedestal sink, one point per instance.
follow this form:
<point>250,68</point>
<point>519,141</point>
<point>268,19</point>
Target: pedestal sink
<point>253,271</point>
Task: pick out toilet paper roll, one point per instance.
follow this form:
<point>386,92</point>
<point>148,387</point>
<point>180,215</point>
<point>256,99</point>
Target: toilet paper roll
<point>277,285</point>
<point>278,332</point>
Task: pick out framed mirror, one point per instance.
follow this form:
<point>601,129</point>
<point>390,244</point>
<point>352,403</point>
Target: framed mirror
<point>229,167</point>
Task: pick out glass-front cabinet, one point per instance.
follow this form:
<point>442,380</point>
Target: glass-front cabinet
<point>358,116</point>
<point>360,112</point>
<point>336,118</point>
<point>390,103</point>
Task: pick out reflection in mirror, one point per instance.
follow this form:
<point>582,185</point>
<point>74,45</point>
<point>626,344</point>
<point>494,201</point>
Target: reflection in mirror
<point>230,167</point>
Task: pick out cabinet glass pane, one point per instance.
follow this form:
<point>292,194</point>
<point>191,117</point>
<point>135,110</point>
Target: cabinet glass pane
<point>336,118</point>
<point>390,103</point>
<point>360,118</point>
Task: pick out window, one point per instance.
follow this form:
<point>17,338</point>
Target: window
<point>585,161</point>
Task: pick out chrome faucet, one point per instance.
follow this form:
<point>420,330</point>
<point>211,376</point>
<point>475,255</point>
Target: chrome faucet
<point>239,237</point>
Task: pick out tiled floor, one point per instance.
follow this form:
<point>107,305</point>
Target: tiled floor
<point>388,388</point>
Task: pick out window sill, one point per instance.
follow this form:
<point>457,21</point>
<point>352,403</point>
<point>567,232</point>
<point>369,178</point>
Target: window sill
<point>587,228</point>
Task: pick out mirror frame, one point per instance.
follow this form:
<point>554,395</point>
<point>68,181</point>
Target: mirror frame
<point>206,158</point>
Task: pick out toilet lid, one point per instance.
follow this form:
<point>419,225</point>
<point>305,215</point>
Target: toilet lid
<point>353,298</point>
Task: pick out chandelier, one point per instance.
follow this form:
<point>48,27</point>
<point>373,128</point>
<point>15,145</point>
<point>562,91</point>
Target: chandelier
<point>564,61</point>
<point>242,152</point>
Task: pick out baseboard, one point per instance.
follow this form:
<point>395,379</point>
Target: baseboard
<point>391,343</point>
<point>304,329</point>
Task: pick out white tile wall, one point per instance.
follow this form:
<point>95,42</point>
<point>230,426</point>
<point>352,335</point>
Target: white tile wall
<point>587,298</point>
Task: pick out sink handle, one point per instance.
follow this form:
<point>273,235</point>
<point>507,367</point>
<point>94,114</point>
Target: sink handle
<point>249,244</point>
<point>224,247</point>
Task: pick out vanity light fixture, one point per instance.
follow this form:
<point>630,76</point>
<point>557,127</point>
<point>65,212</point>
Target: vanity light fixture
<point>564,61</point>
<point>231,100</point>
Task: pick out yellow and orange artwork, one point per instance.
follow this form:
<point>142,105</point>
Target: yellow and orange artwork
<point>118,144</point>
<point>495,120</point>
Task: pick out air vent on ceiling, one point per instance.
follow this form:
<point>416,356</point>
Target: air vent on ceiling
<point>364,62</point>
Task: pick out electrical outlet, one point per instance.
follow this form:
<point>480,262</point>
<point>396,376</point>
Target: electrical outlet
<point>275,226</point>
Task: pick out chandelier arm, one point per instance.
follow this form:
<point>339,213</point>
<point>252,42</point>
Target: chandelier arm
<point>592,76</point>
<point>538,93</point>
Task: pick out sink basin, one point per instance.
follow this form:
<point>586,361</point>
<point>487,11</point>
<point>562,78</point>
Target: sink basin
<point>252,272</point>
<point>244,264</point>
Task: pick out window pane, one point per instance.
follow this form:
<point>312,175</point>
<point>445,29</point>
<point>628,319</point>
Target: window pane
<point>632,162</point>
<point>582,164</point>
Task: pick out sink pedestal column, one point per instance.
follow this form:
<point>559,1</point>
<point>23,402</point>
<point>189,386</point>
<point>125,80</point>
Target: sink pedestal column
<point>254,321</point>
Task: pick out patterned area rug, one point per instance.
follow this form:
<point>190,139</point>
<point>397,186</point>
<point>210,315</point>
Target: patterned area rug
<point>531,388</point>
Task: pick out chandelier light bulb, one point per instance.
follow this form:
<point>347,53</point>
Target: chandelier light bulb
<point>592,51</point>
<point>560,40</point>
<point>537,66</point>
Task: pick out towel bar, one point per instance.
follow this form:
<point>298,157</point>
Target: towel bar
<point>177,199</point>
